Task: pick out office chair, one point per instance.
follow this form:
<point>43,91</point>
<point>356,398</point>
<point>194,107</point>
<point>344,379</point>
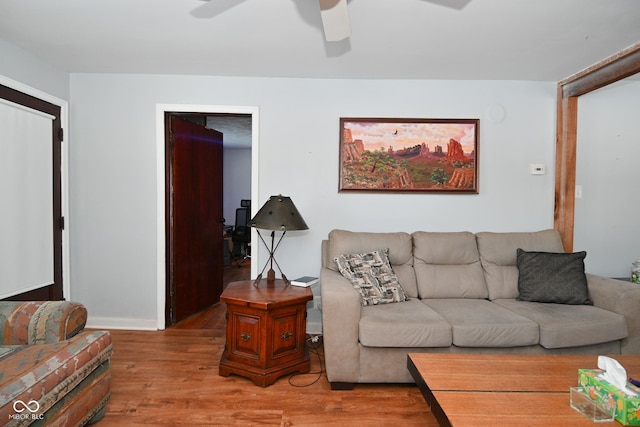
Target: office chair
<point>241,234</point>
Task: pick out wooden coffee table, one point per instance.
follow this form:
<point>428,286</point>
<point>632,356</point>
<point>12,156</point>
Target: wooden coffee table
<point>504,390</point>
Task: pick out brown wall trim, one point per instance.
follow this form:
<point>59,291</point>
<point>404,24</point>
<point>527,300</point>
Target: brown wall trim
<point>616,67</point>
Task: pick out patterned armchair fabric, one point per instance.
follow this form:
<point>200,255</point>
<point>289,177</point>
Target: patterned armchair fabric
<point>40,322</point>
<point>51,371</point>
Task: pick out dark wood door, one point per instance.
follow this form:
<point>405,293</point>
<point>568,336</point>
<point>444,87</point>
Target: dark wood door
<point>194,212</point>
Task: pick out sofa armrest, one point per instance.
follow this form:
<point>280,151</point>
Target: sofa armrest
<point>40,322</point>
<point>340,327</point>
<point>622,298</point>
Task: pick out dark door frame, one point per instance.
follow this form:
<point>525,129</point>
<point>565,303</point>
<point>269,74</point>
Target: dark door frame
<point>36,100</point>
<point>161,109</point>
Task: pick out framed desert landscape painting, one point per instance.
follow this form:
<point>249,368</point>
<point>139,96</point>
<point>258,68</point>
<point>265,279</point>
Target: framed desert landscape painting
<point>409,155</point>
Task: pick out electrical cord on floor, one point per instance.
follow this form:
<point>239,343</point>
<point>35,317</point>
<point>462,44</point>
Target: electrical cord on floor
<point>313,343</point>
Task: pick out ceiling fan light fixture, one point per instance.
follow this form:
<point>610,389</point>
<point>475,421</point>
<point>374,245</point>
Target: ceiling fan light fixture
<point>335,19</point>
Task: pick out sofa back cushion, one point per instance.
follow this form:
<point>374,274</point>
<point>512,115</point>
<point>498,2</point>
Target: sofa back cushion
<point>498,256</point>
<point>447,265</point>
<point>400,252</point>
<point>40,322</point>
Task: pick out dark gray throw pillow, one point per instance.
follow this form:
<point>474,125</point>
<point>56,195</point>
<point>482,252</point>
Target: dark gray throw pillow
<point>552,277</point>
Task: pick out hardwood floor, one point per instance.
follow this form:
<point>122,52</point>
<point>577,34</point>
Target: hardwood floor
<point>170,378</point>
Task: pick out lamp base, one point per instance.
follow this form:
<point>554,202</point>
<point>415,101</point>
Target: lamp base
<point>271,274</point>
<point>271,278</point>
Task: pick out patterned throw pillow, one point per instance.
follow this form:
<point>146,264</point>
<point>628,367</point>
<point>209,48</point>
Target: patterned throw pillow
<point>372,276</point>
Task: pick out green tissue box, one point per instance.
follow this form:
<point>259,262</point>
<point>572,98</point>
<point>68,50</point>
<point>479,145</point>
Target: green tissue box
<point>627,406</point>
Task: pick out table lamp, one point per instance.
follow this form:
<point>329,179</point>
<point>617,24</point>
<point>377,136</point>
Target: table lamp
<point>278,213</point>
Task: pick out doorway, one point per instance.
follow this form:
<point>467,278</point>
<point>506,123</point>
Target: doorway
<point>193,216</point>
<point>163,260</point>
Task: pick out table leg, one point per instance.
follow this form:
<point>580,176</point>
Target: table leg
<point>437,411</point>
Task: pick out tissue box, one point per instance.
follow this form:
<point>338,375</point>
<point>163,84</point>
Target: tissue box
<point>627,407</point>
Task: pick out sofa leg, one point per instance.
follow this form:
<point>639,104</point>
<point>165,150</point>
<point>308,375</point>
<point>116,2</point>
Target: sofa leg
<point>341,386</point>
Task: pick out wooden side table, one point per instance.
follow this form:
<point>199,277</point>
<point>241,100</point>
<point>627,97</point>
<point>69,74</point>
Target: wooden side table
<point>266,330</point>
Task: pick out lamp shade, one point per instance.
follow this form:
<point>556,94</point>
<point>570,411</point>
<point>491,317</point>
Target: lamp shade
<point>279,213</point>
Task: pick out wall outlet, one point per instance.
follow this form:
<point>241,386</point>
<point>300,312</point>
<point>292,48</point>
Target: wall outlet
<point>578,191</point>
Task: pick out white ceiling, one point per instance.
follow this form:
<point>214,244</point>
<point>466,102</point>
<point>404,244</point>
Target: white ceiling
<point>545,40</point>
<point>402,39</point>
<point>235,128</point>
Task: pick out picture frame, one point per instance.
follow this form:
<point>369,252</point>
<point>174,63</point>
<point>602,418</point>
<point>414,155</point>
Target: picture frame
<point>409,155</point>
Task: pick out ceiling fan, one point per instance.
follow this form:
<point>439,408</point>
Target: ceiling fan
<point>334,15</point>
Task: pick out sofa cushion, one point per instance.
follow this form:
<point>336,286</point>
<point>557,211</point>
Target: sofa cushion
<point>46,373</point>
<point>552,277</point>
<point>480,323</point>
<point>410,324</point>
<point>400,252</point>
<point>564,325</point>
<point>448,265</point>
<point>372,276</point>
<point>498,256</point>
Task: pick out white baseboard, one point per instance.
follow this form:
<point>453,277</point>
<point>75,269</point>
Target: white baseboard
<point>122,323</point>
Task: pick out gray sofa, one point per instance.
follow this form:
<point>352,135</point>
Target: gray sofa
<point>463,298</point>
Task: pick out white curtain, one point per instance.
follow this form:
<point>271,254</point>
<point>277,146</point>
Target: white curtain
<point>26,199</point>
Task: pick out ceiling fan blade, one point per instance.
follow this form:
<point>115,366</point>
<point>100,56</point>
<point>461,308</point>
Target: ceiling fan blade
<point>335,19</point>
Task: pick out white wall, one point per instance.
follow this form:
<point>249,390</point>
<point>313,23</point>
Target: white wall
<point>113,167</point>
<point>22,66</point>
<point>113,175</point>
<point>607,218</point>
<point>236,181</point>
